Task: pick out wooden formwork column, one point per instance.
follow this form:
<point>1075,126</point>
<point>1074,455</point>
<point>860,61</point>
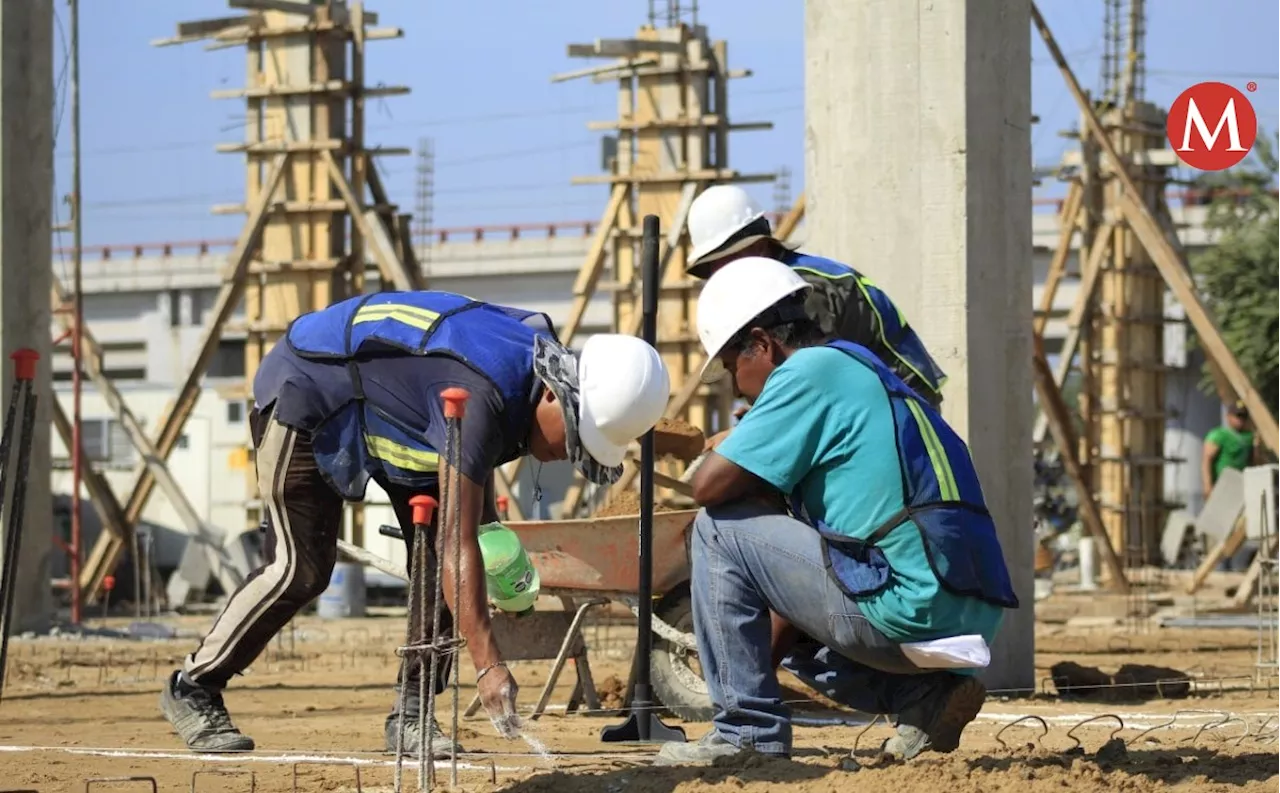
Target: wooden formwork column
<point>673,95</point>
<point>1130,355</point>
<point>673,129</point>
<point>313,249</point>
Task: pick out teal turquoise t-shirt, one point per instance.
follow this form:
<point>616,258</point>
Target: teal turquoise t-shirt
<point>823,425</point>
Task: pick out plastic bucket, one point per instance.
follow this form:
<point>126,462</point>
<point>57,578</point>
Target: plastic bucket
<point>345,596</point>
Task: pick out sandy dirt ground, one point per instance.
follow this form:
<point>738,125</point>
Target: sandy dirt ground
<point>76,709</point>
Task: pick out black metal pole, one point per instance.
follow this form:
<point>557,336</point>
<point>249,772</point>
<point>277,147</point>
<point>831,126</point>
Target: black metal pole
<point>643,725</point>
<point>13,540</point>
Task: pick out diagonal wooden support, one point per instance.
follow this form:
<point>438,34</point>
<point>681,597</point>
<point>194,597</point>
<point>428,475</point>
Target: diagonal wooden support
<point>1178,277</point>
<point>1077,317</point>
<point>584,286</point>
<point>106,552</point>
<point>1067,222</point>
<point>389,265</point>
<point>788,224</point>
<point>392,224</point>
<point>1060,423</point>
<point>101,496</point>
<point>1172,268</point>
<point>91,360</point>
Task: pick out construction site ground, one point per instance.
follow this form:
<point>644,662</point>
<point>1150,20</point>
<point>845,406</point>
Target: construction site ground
<point>77,708</point>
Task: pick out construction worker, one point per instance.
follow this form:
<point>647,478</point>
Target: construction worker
<point>1230,445</point>
<point>726,225</point>
<point>888,557</point>
<point>353,394</point>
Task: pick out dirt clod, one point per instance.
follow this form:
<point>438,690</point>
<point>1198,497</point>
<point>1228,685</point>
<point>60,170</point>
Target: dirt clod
<point>679,439</point>
<point>612,692</point>
<point>1130,682</point>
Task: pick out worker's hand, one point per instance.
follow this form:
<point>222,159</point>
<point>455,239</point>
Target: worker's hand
<point>498,691</point>
<point>715,440</point>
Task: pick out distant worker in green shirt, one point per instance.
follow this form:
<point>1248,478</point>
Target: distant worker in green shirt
<point>1229,446</point>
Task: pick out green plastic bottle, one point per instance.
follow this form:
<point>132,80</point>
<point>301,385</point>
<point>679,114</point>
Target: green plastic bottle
<point>512,580</point>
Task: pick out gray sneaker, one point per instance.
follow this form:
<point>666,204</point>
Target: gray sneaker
<point>200,717</point>
<point>414,741</point>
<point>937,722</point>
<point>704,752</point>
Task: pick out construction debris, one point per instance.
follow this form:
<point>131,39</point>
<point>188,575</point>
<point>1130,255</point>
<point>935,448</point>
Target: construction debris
<point>1130,682</point>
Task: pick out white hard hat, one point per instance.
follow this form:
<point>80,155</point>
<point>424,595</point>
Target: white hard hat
<point>623,388</point>
<point>717,214</point>
<point>732,297</point>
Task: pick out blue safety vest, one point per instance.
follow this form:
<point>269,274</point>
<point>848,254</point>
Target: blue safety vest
<point>360,440</point>
<point>887,335</point>
<point>943,502</point>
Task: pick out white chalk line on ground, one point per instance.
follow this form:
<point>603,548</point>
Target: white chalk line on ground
<point>1191,717</point>
<point>250,757</point>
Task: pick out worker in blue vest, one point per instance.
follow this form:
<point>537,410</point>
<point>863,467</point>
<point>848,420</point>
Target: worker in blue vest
<point>726,225</point>
<point>843,506</point>
<point>353,395</point>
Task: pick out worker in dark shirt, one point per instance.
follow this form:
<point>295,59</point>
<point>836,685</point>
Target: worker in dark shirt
<point>353,394</point>
<point>726,225</point>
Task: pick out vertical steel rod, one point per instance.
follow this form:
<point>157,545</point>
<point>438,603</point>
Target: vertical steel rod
<point>77,328</point>
<point>13,541</point>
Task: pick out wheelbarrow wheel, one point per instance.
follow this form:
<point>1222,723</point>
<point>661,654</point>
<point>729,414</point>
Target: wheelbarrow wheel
<point>675,671</point>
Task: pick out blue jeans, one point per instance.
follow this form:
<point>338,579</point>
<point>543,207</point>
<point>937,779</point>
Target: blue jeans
<point>747,561</point>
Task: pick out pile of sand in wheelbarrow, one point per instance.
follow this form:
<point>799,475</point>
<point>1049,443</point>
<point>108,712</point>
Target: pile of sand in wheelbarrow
<point>671,438</point>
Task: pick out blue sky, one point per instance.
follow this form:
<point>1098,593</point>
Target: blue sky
<point>507,140</point>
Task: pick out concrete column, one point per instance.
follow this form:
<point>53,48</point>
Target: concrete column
<point>26,183</point>
<point>918,173</point>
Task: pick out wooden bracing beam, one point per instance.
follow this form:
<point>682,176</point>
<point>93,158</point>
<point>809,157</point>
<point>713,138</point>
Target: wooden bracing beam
<point>1060,424</point>
<point>1068,220</point>
<point>392,269</point>
<point>787,226</point>
<point>104,500</point>
<point>106,552</point>
<point>91,357</point>
<point>1078,316</point>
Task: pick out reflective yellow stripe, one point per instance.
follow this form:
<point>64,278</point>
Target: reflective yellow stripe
<point>400,455</point>
<point>937,455</point>
<point>413,316</point>
<point>880,331</point>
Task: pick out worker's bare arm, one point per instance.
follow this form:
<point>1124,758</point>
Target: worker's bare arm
<point>719,481</point>
<point>469,605</point>
<point>1210,454</point>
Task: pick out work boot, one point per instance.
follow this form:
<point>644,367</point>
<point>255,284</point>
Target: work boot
<point>937,721</point>
<point>704,752</point>
<point>200,717</point>
<point>414,741</point>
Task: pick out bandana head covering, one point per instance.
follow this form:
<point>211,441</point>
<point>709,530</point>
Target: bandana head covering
<point>557,367</point>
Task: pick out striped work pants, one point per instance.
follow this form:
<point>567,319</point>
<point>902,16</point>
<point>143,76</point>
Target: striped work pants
<point>304,521</point>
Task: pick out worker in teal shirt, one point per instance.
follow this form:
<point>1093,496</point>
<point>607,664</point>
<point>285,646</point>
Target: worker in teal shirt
<point>887,544</point>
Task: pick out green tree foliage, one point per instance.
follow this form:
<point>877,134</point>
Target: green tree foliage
<point>1239,275</point>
